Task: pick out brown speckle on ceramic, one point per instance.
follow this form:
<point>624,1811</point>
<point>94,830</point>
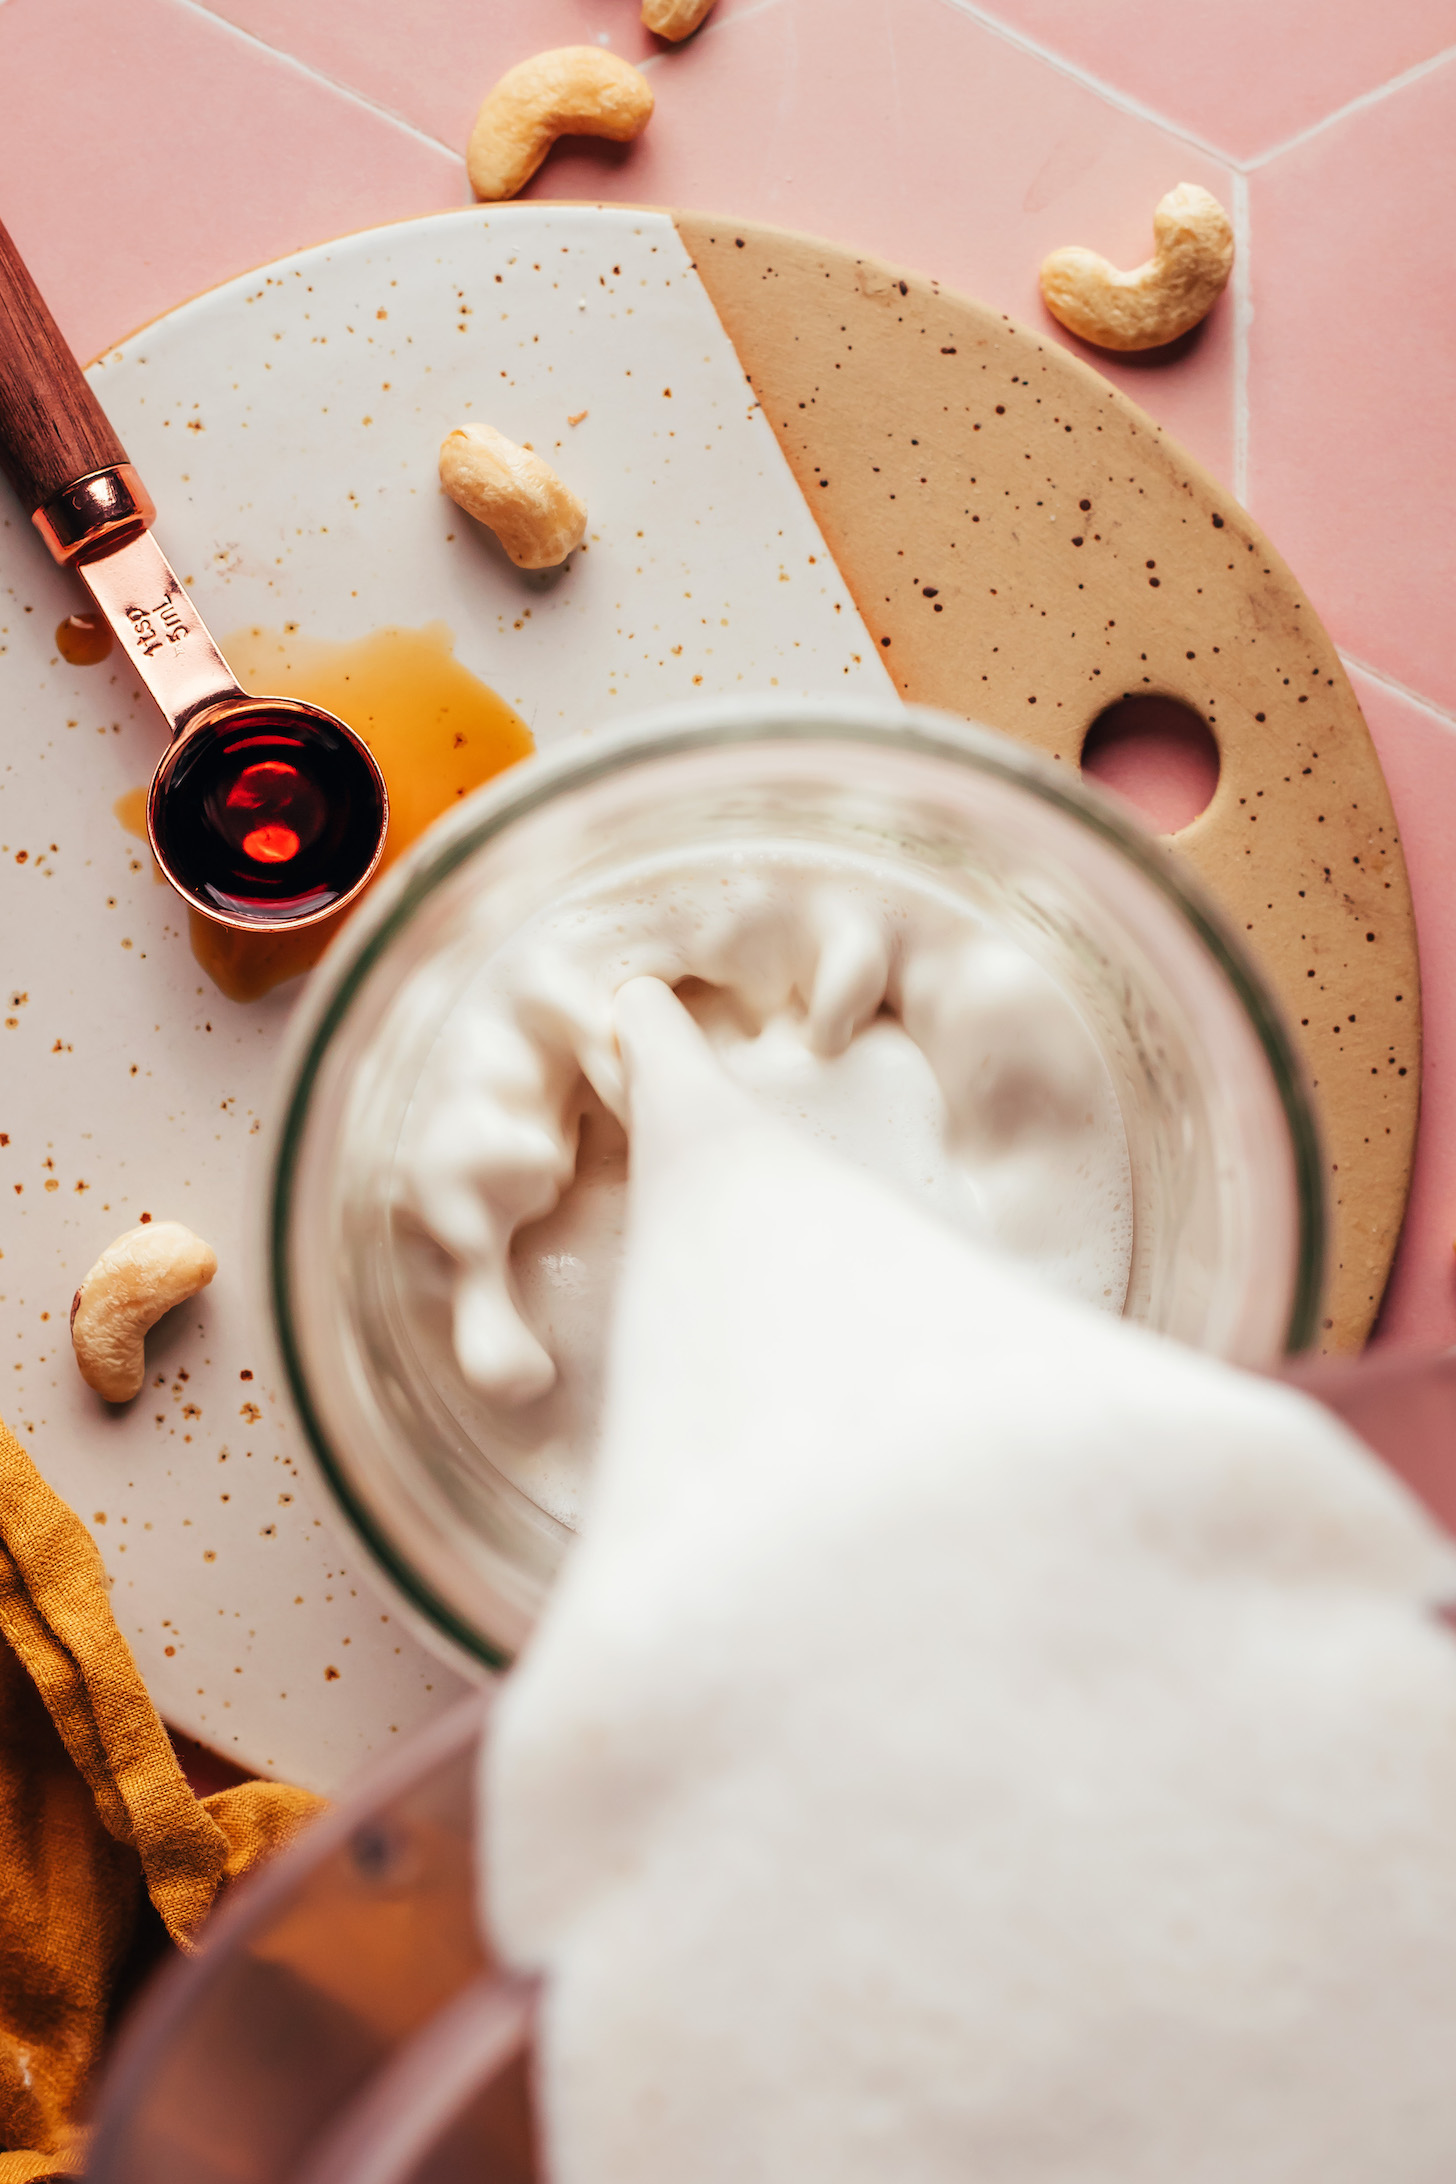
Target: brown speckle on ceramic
<point>1077,556</point>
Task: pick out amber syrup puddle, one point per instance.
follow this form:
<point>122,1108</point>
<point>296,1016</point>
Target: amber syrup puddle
<point>435,729</point>
<point>83,639</point>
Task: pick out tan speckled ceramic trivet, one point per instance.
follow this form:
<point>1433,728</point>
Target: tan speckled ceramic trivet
<point>1028,547</point>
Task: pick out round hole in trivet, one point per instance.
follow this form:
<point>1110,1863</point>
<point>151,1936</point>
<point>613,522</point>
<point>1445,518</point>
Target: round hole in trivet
<point>1158,755</point>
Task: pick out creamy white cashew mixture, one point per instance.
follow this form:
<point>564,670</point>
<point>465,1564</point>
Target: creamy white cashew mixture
<point>870,1011</point>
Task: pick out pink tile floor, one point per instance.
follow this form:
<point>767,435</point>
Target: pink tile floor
<point>963,139</point>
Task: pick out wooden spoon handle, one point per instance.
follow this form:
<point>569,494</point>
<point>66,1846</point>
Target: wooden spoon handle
<point>52,428</point>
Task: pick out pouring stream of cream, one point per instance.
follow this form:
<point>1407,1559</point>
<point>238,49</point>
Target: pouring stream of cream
<point>973,1738</point>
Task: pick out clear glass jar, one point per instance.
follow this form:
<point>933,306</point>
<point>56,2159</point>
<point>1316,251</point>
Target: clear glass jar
<point>1229,1224</point>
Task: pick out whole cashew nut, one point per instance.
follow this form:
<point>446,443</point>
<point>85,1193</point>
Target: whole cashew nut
<point>675,18</point>
<point>573,91</point>
<point>536,517</point>
<point>136,1279</point>
<point>1157,302</point>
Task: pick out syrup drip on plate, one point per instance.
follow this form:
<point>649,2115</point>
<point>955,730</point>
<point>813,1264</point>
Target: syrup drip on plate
<point>83,639</point>
<point>435,729</point>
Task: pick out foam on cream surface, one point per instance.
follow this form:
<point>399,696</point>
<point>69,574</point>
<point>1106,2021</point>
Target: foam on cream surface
<point>865,1007</point>
<point>973,1738</point>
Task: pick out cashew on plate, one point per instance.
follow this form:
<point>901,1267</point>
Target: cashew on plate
<point>534,514</point>
<point>675,18</point>
<point>136,1279</point>
<point>572,91</point>
<point>1157,302</point>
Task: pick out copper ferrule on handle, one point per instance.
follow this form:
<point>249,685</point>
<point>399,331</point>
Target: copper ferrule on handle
<point>100,525</point>
<point>95,514</point>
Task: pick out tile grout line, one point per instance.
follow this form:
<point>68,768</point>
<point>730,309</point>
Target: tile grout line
<point>1243,302</point>
<point>1122,100</point>
<point>316,75</point>
<point>387,113</point>
<point>1127,103</point>
<point>1359,105</point>
<point>1355,665</point>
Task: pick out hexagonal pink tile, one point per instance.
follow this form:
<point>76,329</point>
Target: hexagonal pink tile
<point>1352,377</point>
<point>229,155</point>
<point>1241,74</point>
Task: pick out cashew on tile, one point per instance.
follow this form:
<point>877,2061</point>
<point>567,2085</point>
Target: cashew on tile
<point>536,517</point>
<point>572,91</point>
<point>1158,301</point>
<point>675,18</point>
<point>136,1279</point>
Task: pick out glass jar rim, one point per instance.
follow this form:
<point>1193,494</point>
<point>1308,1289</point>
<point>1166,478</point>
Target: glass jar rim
<point>666,733</point>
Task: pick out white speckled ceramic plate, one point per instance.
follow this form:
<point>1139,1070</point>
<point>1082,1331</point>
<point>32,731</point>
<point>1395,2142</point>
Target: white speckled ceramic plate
<point>287,425</point>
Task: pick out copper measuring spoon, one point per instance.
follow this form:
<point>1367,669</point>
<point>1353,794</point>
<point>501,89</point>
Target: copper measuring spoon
<point>263,812</point>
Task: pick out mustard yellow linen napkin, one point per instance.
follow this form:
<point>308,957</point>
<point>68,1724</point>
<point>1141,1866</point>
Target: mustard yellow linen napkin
<point>94,1810</point>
